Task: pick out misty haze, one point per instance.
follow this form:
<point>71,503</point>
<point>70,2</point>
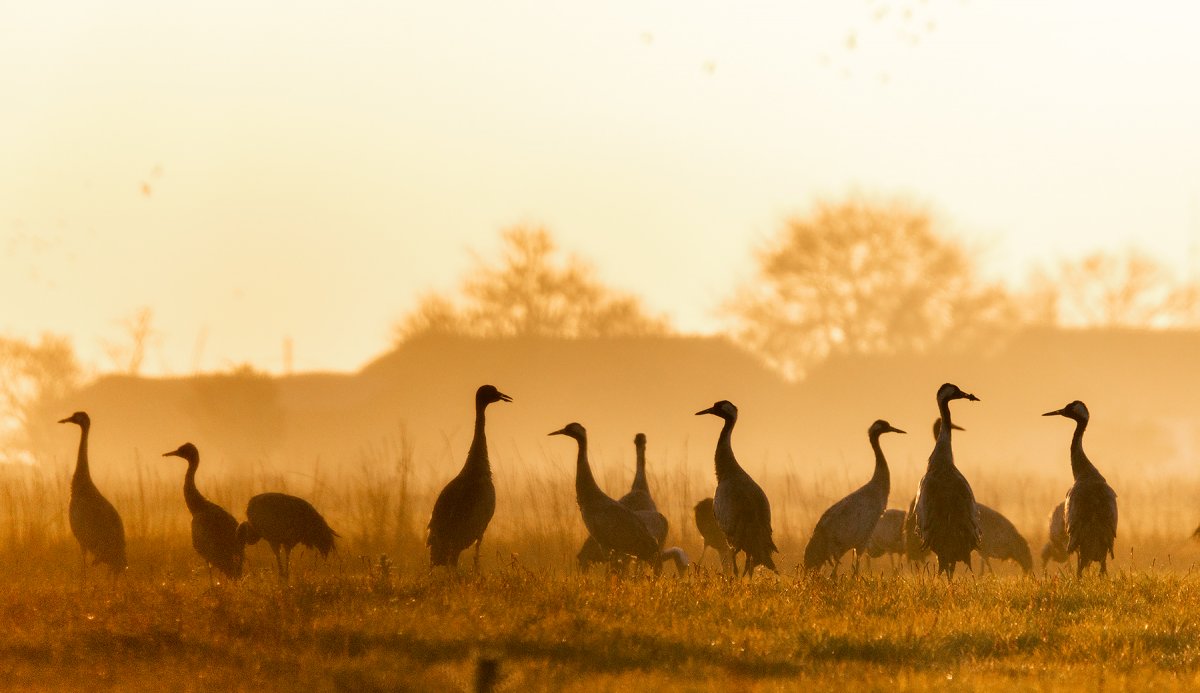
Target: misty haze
<point>459,348</point>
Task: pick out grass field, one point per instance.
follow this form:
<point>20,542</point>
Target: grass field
<point>350,624</point>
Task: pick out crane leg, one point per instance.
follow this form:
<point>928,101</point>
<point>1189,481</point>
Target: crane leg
<point>287,562</point>
<point>478,544</point>
<point>733,561</point>
<point>279,568</point>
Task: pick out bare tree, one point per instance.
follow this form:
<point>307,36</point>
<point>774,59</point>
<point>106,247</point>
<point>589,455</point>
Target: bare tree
<point>532,291</point>
<point>861,277</point>
<point>129,355</point>
<point>1128,289</point>
<point>33,376</point>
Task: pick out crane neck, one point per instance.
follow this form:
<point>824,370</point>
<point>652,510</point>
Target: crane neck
<point>726,464</point>
<point>1081,466</point>
<point>191,495</point>
<point>586,488</point>
<point>943,452</point>
<point>639,476</point>
<point>477,457</point>
<point>882,475</point>
<point>83,474</point>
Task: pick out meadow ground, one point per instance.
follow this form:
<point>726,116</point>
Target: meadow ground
<point>348,625</point>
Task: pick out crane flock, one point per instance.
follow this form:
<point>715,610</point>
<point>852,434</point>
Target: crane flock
<point>943,517</point>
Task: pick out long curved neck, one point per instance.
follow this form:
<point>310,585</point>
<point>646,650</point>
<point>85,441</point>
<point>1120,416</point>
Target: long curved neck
<point>191,494</point>
<point>1080,464</point>
<point>639,477</point>
<point>943,453</point>
<point>882,476</point>
<point>726,463</point>
<point>586,488</point>
<point>83,474</point>
<point>477,457</point>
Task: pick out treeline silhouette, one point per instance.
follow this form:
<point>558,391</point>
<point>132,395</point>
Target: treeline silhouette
<point>852,283</point>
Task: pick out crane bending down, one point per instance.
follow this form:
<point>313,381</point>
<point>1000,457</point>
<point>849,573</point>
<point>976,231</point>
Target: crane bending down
<point>94,521</point>
<point>214,530</point>
<point>946,517</point>
<point>848,523</point>
<point>465,506</point>
<point>284,521</point>
<point>1090,507</point>
<point>742,509</point>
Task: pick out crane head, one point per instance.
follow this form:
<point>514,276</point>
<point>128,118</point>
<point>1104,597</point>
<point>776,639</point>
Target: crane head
<point>79,418</point>
<point>880,427</point>
<point>187,451</point>
<point>571,430</point>
<point>1075,410</point>
<point>723,409</point>
<point>951,391</point>
<point>487,394</point>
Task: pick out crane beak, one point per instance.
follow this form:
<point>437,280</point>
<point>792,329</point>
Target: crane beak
<point>66,420</point>
<point>893,429</point>
<point>503,397</point>
<point>559,432</point>
<point>971,397</point>
<point>710,410</point>
<point>1056,412</point>
<point>956,427</point>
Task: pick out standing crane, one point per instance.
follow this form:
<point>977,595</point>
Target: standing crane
<point>94,521</point>
<point>946,516</point>
<point>848,523</point>
<point>1091,505</point>
<point>710,531</point>
<point>1055,548</point>
<point>615,528</point>
<point>214,530</point>
<point>465,506</point>
<point>742,509</point>
<point>639,501</point>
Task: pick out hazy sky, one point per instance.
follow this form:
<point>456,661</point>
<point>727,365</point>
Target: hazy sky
<point>256,171</point>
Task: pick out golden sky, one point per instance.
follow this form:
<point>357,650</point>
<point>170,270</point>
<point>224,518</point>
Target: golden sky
<point>257,171</point>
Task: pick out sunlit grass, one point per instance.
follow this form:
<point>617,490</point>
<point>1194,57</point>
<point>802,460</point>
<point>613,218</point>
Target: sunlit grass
<point>358,622</point>
<point>345,625</point>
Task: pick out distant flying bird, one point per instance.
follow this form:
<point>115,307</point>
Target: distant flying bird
<point>1091,505</point>
<point>1055,548</point>
<point>710,531</point>
<point>214,530</point>
<point>742,509</point>
<point>615,528</point>
<point>849,522</point>
<point>465,506</point>
<point>639,501</point>
<point>946,517</point>
<point>94,521</point>
<point>1000,539</point>
<point>285,521</point>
